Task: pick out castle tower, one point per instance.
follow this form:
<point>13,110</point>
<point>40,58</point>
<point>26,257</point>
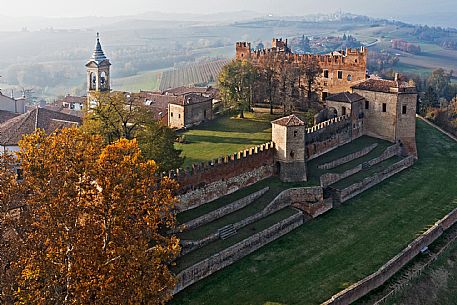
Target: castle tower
<point>288,134</point>
<point>98,71</point>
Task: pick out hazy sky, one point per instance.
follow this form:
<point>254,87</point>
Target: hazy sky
<point>378,8</point>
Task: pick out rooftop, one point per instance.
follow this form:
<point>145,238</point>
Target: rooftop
<point>12,130</point>
<point>7,115</point>
<point>382,85</point>
<point>289,121</point>
<point>345,97</point>
<point>98,56</point>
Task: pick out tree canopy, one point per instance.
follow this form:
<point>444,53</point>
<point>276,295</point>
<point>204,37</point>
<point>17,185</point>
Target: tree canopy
<point>92,228</point>
<point>118,115</point>
<point>235,83</point>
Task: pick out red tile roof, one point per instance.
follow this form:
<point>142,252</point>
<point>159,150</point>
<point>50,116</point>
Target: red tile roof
<point>12,130</point>
<point>381,85</point>
<point>345,97</point>
<point>291,120</point>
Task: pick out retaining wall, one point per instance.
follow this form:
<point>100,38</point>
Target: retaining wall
<point>308,199</point>
<point>232,254</point>
<point>348,158</point>
<point>331,178</point>
<point>225,210</point>
<point>357,188</point>
<point>373,281</point>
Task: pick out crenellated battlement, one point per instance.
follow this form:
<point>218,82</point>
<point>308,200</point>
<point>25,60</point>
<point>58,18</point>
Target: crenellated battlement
<point>341,69</point>
<point>223,167</point>
<point>327,123</point>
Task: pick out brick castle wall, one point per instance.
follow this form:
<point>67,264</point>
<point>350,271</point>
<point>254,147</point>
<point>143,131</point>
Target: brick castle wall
<point>351,63</point>
<point>206,182</point>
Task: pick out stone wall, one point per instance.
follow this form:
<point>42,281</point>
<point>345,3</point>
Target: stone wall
<point>348,158</point>
<point>331,178</point>
<point>328,135</point>
<point>375,280</point>
<point>307,199</point>
<point>206,182</point>
<point>221,212</point>
<point>357,188</point>
<point>232,254</point>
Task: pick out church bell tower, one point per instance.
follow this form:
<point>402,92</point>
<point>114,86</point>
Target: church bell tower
<point>98,71</point>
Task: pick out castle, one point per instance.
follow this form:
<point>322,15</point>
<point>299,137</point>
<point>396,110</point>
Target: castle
<point>379,114</point>
<point>340,70</point>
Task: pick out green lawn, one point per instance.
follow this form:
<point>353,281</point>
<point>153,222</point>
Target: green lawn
<point>341,247</point>
<point>225,136</point>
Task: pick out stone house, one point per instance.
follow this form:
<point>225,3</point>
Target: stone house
<point>189,110</point>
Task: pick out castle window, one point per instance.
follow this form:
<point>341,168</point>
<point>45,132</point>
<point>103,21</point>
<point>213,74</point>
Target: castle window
<point>343,110</point>
<point>356,61</point>
<point>367,105</point>
<point>204,114</point>
<point>292,154</point>
<point>349,77</point>
<point>171,114</point>
<point>179,115</point>
<point>295,133</point>
<point>340,74</point>
<point>403,109</point>
<point>325,73</point>
<point>384,107</point>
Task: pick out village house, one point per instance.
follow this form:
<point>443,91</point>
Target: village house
<point>13,129</point>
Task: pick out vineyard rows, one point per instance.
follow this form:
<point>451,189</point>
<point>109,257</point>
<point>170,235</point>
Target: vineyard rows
<point>201,73</point>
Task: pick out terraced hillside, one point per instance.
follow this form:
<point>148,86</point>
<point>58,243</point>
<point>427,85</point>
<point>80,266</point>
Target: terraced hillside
<point>209,232</point>
<point>192,74</point>
<point>327,254</point>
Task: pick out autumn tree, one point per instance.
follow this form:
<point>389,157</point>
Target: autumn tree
<point>94,223</point>
<point>10,206</point>
<point>235,83</point>
<point>311,70</point>
<point>268,81</point>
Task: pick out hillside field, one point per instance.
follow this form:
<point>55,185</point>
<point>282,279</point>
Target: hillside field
<point>328,254</point>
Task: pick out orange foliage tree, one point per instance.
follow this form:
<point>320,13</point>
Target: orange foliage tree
<point>95,223</point>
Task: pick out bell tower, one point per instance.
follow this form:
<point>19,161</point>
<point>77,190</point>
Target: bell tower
<point>98,71</point>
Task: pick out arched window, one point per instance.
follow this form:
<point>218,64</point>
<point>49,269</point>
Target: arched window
<point>93,81</point>
<point>349,77</point>
<point>103,80</point>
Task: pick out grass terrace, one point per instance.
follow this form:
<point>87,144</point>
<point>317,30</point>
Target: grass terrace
<point>314,172</point>
<point>331,252</point>
<point>276,187</point>
<point>221,244</point>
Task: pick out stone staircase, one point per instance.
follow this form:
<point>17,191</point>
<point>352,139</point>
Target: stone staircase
<point>227,231</point>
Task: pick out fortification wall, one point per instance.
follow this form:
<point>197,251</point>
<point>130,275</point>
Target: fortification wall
<point>221,212</point>
<point>373,281</point>
<point>330,178</point>
<point>357,188</point>
<point>328,135</point>
<point>232,254</point>
<point>348,158</point>
<point>307,199</point>
<point>344,68</point>
<point>206,182</point>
